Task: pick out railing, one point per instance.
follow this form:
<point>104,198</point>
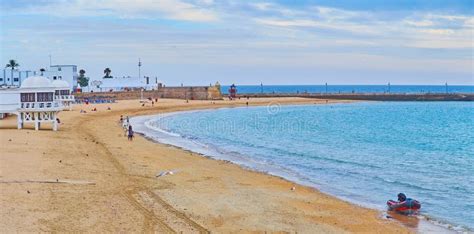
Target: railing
<point>40,105</point>
<point>64,97</point>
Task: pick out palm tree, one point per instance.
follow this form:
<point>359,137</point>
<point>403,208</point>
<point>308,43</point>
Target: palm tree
<point>82,72</point>
<point>107,72</point>
<point>42,70</point>
<point>12,64</point>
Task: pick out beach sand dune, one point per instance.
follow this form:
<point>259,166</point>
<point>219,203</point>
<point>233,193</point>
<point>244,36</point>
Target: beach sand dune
<point>109,184</point>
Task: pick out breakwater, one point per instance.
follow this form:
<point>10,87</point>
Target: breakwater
<point>372,96</point>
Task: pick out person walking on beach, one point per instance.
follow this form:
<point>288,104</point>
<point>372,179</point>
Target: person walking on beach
<point>125,129</point>
<point>125,126</point>
<point>130,133</point>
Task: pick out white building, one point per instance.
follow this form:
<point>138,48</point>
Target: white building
<point>33,102</point>
<point>66,73</point>
<point>63,93</point>
<point>120,84</point>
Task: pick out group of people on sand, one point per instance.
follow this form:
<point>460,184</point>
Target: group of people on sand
<point>82,111</point>
<point>153,101</point>
<point>127,127</point>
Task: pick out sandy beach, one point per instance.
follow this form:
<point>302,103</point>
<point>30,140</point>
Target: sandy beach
<point>88,177</point>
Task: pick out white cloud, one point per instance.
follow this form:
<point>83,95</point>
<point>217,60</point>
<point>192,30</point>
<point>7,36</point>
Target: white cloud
<point>206,2</point>
<point>170,9</point>
<point>449,17</point>
<point>263,6</point>
<point>421,23</point>
<point>416,29</point>
<point>341,26</point>
<point>332,14</point>
<point>438,31</point>
<point>469,23</point>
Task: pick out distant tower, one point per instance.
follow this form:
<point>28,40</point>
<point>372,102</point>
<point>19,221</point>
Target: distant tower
<point>232,91</point>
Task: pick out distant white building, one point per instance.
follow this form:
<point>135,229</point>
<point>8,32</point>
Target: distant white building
<point>66,73</point>
<point>123,83</point>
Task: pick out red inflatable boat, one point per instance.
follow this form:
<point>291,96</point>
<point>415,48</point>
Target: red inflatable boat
<point>409,206</point>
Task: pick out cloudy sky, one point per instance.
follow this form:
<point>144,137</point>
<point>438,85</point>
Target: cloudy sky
<point>247,42</point>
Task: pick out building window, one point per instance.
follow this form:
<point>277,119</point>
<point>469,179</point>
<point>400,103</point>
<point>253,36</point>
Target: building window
<point>64,92</point>
<point>60,77</point>
<point>59,68</point>
<point>1,79</point>
<point>56,92</point>
<point>27,97</point>
<point>45,97</point>
<point>54,77</point>
<point>15,79</point>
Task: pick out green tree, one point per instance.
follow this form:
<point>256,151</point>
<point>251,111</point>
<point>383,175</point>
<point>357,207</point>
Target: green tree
<point>82,80</point>
<point>107,72</point>
<point>12,64</point>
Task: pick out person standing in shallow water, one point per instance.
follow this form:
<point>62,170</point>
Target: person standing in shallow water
<point>130,133</point>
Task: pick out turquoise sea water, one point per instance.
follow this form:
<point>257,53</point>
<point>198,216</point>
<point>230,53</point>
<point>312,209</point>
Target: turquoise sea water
<point>362,152</point>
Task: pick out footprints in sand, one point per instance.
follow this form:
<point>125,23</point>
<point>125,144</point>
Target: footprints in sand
<point>161,216</point>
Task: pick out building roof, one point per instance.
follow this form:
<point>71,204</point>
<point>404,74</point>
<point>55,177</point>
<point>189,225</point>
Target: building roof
<point>65,65</point>
<point>133,82</point>
<point>36,82</point>
<point>60,84</point>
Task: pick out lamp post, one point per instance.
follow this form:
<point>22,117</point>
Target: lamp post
<point>139,66</point>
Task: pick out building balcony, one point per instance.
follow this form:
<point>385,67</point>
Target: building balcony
<point>64,97</point>
<point>40,106</point>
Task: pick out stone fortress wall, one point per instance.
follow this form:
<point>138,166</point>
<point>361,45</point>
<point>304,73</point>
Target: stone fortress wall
<point>187,92</point>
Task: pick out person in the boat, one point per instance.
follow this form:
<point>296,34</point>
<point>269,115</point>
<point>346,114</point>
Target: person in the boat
<point>401,197</point>
<point>404,205</point>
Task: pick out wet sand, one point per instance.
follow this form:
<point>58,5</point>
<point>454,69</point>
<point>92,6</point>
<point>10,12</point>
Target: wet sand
<point>108,184</point>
